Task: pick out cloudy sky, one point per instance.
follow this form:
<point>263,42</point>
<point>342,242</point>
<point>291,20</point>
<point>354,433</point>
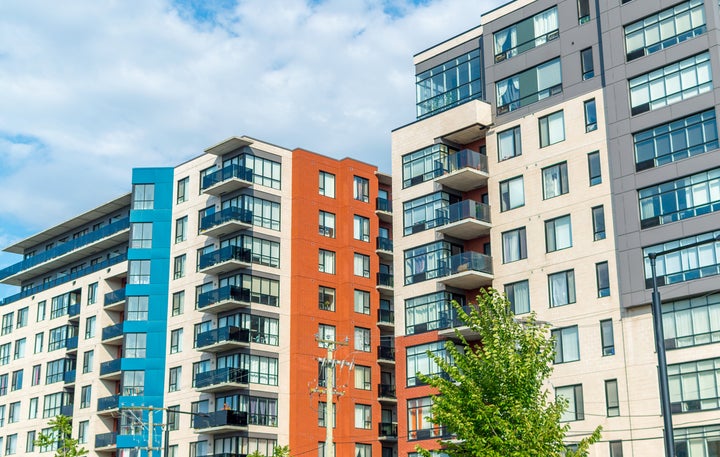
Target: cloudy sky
<point>93,88</point>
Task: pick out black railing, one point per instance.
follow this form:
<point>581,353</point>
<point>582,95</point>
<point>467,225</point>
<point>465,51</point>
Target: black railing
<point>386,352</point>
<point>220,418</point>
<point>223,334</point>
<point>387,391</point>
<point>225,254</point>
<point>384,244</point>
<point>385,279</point>
<point>388,429</point>
<point>228,172</point>
<point>228,214</point>
<point>110,366</point>
<point>221,376</point>
<point>234,293</point>
<point>383,204</point>
<point>386,316</point>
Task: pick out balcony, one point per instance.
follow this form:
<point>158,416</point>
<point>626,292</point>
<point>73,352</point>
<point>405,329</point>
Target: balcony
<point>384,248</point>
<point>228,179</point>
<point>221,380</point>
<point>66,410</point>
<point>71,344</point>
<point>222,339</point>
<point>469,270</point>
<point>387,393</point>
<point>226,221</point>
<point>74,312</point>
<point>69,377</point>
<point>115,300</point>
<point>454,325</point>
<point>105,441</point>
<point>224,299</point>
<point>67,253</point>
<point>387,431</point>
<point>113,334</point>
<point>224,260</point>
<point>465,220</point>
<point>224,454</point>
<point>385,282</point>
<point>108,405</point>
<point>383,209</point>
<point>386,355</point>
<point>223,421</point>
<point>464,170</point>
<point>111,369</point>
<point>386,318</point>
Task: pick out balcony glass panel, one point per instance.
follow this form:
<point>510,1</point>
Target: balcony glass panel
<point>225,254</point>
<point>226,293</point>
<point>228,172</point>
<point>221,335</point>
<point>221,376</point>
<point>226,215</point>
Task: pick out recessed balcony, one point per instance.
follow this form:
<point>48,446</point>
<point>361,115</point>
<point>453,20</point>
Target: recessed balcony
<point>465,220</point>
<point>384,248</point>
<point>115,300</point>
<point>224,299</point>
<point>74,312</point>
<point>111,370</point>
<point>456,325</point>
<point>69,377</point>
<point>385,283</point>
<point>71,344</point>
<point>463,171</point>
<point>469,270</point>
<point>224,260</point>
<point>387,393</point>
<point>113,334</point>
<point>387,431</point>
<point>223,339</point>
<point>386,318</point>
<point>383,209</point>
<point>223,421</point>
<point>108,405</point>
<point>106,442</point>
<point>228,179</point>
<point>221,380</point>
<point>386,355</point>
<point>226,221</point>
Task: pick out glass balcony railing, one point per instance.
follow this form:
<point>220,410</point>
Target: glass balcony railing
<point>466,209</point>
<point>225,254</point>
<point>383,204</point>
<point>225,417</point>
<point>66,410</point>
<point>386,352</point>
<point>74,310</point>
<point>106,439</point>
<point>226,293</point>
<point>229,172</point>
<point>384,244</point>
<point>62,249</point>
<point>387,391</point>
<point>220,376</point>
<point>111,366</point>
<point>112,331</point>
<point>386,316</point>
<point>388,429</point>
<point>71,343</point>
<point>115,296</point>
<point>106,403</point>
<point>222,335</point>
<point>464,158</point>
<point>227,215</point>
<point>469,261</point>
<point>69,376</point>
<point>385,279</point>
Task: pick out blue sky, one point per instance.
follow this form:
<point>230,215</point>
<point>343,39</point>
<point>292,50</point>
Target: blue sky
<point>93,89</point>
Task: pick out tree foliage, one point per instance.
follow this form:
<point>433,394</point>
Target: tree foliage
<point>495,400</point>
<point>278,451</point>
<point>61,434</point>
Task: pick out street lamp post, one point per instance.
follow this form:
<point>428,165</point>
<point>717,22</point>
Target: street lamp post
<point>656,308</point>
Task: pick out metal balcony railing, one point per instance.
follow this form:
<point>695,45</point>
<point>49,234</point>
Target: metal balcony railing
<point>386,316</point>
<point>225,293</point>
<point>221,376</point>
<point>228,172</point>
<point>228,214</point>
<point>384,244</point>
<point>220,418</point>
<point>224,255</point>
<point>114,297</point>
<point>223,334</point>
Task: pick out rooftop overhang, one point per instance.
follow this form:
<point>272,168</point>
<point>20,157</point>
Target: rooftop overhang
<point>229,145</point>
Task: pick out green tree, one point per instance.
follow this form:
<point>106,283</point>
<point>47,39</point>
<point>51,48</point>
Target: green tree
<point>61,434</point>
<point>494,400</point>
<point>278,451</point>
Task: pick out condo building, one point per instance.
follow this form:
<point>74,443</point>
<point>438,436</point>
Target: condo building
<point>195,313</point>
<point>556,145</point>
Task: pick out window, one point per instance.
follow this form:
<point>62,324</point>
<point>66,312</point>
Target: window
<point>428,261</point>
<point>514,245</point>
<point>430,312</point>
<point>363,416</point>
<point>176,340</point>
<point>138,272</point>
<point>361,265</point>
<point>361,189</point>
<point>362,301</point>
<point>583,11</point>
<point>612,399</point>
<point>137,308</point>
<point>326,261</point>
<point>607,338</point>
<point>552,129</point>
<point>574,397</point>
<point>41,311</point>
<point>424,164</point>
<point>36,377</point>
<point>567,347</point>
<point>509,144</point>
<point>362,339</point>
<point>30,441</point>
<point>140,235</point>
<point>586,63</point>
<point>691,322</point>
<point>179,266</point>
<point>5,354</point>
<point>558,233</point>
<point>361,228</point>
<point>87,365</point>
<point>181,229</point>
<point>363,378</point>
<point>52,405</point>
<point>701,438</point>
<point>687,264</point>
<point>363,450</point>
<point>174,376</point>
<point>19,351</point>
<point>173,418</point>
<point>248,208</point>
<point>512,193</point>
<point>598,220</point>
<point>16,381</point>
<point>616,449</point>
<point>594,168</point>
<point>694,386</point>
<point>178,303</point>
<point>33,409</point>
<point>54,371</point>
<point>664,29</point>
<point>14,412</point>
<point>683,198</point>
<point>327,184</point>
<point>183,188</point>
<point>326,334</point>
<point>449,84</point>
<point>143,196</point>
<point>518,293</point>
<point>322,414</point>
<point>603,279</point>
<point>83,427</point>
<point>135,345</point>
<point>133,383</point>
<point>526,34</point>
<point>538,83</point>
<point>22,317</point>
<point>7,323</point>
<point>90,327</point>
<point>676,140</point>
<point>562,288</point>
<point>590,115</point>
<point>419,361</point>
<point>11,444</point>
<point>326,224</point>
<point>670,84</point>
<point>85,396</point>
<point>420,424</point>
<point>426,212</point>
<point>39,337</point>
<point>326,298</point>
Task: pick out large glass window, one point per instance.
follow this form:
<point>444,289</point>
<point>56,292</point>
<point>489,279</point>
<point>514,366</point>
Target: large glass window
<point>265,213</point>
<point>555,180</point>
<point>426,212</point>
<point>181,229</point>
<point>567,346</point>
<point>612,400</point>
<point>143,196</point>
<point>449,84</point>
<point>574,396</point>
<point>419,424</point>
<point>137,308</point>
<point>361,265</point>
<point>558,233</point>
<point>680,199</point>
<point>509,143</point>
<point>133,383</point>
<point>326,261</point>
<point>361,301</point>
<point>512,193</point>
<point>183,190</point>
<point>326,224</point>
<point>424,165</point>
<point>362,339</point>
<point>664,29</point>
<point>326,184</point>
<point>694,386</point>
<point>419,361</point>
<point>428,261</point>
<point>361,189</point>
<point>264,171</point>
<point>562,288</point>
<point>139,272</point>
<point>586,63</point>
<point>134,345</point>
<point>518,293</point>
<point>361,228</point>
<point>687,264</point>
<point>526,35</point>
<point>675,140</point>
<point>141,235</point>
<point>529,86</point>
<point>514,245</point>
<point>670,84</point>
<point>692,321</point>
<point>430,312</point>
<point>552,128</point>
<point>697,441</point>
<point>363,416</point>
<point>326,298</point>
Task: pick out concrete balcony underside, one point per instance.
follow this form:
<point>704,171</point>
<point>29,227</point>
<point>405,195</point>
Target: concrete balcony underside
<point>225,266</point>
<point>464,179</point>
<point>229,185</point>
<point>468,280</point>
<point>466,229</point>
<point>225,228</point>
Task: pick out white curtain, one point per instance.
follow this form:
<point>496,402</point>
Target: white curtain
<point>511,246</point>
<point>544,23</point>
<point>559,289</point>
<point>570,347</point>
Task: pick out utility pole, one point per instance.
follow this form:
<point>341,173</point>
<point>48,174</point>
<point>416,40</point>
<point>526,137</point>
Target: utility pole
<point>329,390</point>
<point>150,431</point>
